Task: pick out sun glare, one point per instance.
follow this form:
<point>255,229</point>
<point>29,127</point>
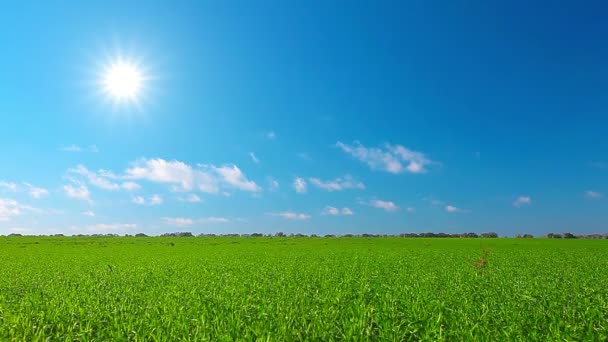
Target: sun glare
<point>123,81</point>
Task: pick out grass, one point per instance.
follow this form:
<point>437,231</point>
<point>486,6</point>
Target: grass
<point>284,289</point>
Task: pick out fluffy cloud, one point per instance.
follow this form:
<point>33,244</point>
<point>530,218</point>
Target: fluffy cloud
<point>338,184</point>
<point>233,176</point>
<point>328,210</point>
<point>10,208</point>
<point>522,200</point>
<point>380,204</point>
<point>111,227</point>
<point>95,179</point>
<point>299,184</point>
<point>79,191</point>
<point>36,192</point>
<point>390,158</point>
<point>452,209</point>
<point>208,178</point>
<point>153,200</point>
<point>130,186</point>
<point>593,194</point>
<point>8,186</point>
<point>290,215</point>
<point>185,222</point>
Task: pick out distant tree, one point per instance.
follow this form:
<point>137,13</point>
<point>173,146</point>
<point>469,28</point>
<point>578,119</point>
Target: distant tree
<point>279,234</point>
<point>14,234</point>
<point>469,235</point>
<point>569,236</point>
<point>554,236</point>
<point>330,236</point>
<point>489,235</point>
<point>257,235</point>
<point>524,236</point>
<point>140,235</point>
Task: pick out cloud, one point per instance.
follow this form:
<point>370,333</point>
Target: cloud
<point>184,222</point>
<point>522,200</point>
<point>111,227</point>
<point>254,158</point>
<point>338,184</point>
<point>95,179</point>
<point>299,184</point>
<point>156,200</point>
<point>410,209</point>
<point>36,192</point>
<point>233,176</point>
<point>380,204</point>
<point>192,198</point>
<point>390,158</point>
<point>593,194</point>
<point>328,210</point>
<point>208,178</point>
<point>76,148</point>
<point>289,215</point>
<point>178,221</point>
<point>130,186</point>
<point>273,184</point>
<point>452,209</point>
<point>79,191</point>
<point>89,213</point>
<point>10,208</point>
<point>8,186</point>
<point>153,200</point>
<point>271,135</point>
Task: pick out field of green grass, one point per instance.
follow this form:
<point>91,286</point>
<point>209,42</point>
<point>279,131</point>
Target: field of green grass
<point>286,289</point>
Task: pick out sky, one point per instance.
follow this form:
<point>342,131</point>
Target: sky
<point>316,117</point>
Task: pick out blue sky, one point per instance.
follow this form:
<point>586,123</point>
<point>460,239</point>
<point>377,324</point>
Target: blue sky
<point>317,117</point>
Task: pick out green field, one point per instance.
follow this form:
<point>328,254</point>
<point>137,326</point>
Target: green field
<point>285,289</point>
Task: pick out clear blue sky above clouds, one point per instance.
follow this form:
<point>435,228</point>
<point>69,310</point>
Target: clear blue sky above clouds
<point>314,117</point>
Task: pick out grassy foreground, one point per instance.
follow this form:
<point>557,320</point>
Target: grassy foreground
<point>395,289</point>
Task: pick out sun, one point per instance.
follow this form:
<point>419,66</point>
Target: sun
<point>123,80</point>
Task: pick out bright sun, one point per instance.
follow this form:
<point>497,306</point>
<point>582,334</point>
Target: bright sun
<point>122,81</point>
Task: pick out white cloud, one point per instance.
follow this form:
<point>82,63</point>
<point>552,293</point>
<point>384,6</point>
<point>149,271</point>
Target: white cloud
<point>299,184</point>
<point>138,200</point>
<point>8,186</point>
<point>153,200</point>
<point>156,200</point>
<point>289,215</point>
<point>89,213</point>
<point>36,192</point>
<point>593,194</point>
<point>184,222</point>
<point>271,135</point>
<point>178,221</point>
<point>111,227</point>
<point>273,184</point>
<point>233,176</point>
<point>79,191</point>
<point>254,158</point>
<point>192,198</point>
<point>386,205</point>
<point>328,210</point>
<point>185,178</point>
<point>390,158</point>
<point>130,186</point>
<point>76,148</point>
<point>10,208</point>
<point>452,209</point>
<point>522,200</point>
<point>338,184</point>
<point>410,210</point>
<point>95,179</point>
